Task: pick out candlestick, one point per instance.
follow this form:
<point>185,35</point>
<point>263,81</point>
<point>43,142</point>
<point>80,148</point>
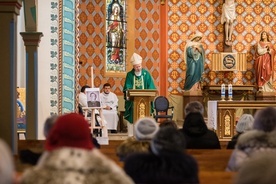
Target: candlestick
<point>92,77</point>
<point>223,92</point>
<point>230,92</point>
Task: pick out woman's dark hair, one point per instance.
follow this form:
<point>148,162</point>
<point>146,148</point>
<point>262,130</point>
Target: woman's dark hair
<point>84,87</point>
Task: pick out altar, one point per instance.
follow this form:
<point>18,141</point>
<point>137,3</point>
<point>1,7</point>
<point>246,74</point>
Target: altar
<point>240,92</point>
<point>223,115</point>
<point>213,92</point>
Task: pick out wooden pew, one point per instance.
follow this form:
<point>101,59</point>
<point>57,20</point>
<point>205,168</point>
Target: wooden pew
<point>110,151</point>
<point>215,177</point>
<point>212,163</point>
<point>211,159</point>
<point>38,147</point>
<point>208,159</point>
<point>34,145</point>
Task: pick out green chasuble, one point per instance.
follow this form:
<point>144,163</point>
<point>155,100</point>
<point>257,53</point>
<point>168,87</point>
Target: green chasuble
<point>144,81</point>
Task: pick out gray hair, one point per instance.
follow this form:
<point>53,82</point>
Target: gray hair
<point>194,106</point>
<point>49,123</point>
<point>245,123</point>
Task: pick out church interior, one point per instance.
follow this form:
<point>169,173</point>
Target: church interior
<point>50,49</point>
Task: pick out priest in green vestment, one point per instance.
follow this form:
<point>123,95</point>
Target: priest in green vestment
<point>137,78</point>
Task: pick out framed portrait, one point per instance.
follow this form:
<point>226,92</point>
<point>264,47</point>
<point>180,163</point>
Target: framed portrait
<point>93,97</point>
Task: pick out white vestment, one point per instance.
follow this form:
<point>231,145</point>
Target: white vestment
<point>82,99</point>
<point>110,116</point>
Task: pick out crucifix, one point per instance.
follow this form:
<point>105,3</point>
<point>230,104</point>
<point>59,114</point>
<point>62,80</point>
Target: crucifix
<point>227,18</point>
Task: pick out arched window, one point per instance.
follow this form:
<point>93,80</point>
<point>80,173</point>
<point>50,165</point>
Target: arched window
<point>115,36</point>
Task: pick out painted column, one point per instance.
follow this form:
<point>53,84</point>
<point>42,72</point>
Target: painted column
<point>31,41</point>
<point>9,10</point>
<point>164,49</point>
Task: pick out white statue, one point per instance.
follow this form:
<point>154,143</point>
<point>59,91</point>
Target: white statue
<point>228,17</point>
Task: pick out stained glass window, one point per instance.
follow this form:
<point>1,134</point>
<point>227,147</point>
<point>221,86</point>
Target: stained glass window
<point>115,36</point>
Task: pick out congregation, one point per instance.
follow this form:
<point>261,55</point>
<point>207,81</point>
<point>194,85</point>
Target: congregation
<point>158,152</point>
<point>180,52</point>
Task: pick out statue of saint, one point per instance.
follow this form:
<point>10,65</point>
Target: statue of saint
<point>228,16</point>
<point>115,32</point>
<point>264,59</point>
<point>194,57</point>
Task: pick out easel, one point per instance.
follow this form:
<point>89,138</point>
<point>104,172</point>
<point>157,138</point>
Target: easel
<point>103,138</point>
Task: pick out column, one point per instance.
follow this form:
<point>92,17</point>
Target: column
<point>9,10</point>
<point>31,41</point>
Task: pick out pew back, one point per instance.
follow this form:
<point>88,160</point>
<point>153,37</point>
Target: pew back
<point>212,162</point>
<point>211,159</point>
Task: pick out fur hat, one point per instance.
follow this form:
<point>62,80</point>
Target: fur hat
<point>167,140</point>
<point>245,123</point>
<point>260,168</point>
<point>70,130</point>
<point>145,128</point>
<point>136,59</point>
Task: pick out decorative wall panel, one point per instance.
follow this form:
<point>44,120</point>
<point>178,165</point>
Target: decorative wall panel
<point>54,62</point>
<point>68,56</point>
<point>91,42</point>
<point>186,17</point>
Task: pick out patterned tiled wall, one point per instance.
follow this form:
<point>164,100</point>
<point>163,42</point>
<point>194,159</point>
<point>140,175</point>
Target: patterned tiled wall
<point>147,38</point>
<point>91,43</point>
<point>186,17</point>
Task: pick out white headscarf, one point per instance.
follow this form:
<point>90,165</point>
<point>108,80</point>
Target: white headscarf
<point>191,42</point>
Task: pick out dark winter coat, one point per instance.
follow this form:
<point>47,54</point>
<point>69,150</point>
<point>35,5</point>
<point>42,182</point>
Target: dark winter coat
<point>196,133</point>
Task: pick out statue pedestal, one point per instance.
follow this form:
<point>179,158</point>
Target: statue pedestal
<point>266,96</point>
<point>189,96</point>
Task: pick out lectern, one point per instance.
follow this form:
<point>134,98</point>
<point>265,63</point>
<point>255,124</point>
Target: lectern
<point>142,99</point>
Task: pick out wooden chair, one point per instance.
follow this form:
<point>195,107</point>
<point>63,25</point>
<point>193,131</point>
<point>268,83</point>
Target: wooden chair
<point>161,107</point>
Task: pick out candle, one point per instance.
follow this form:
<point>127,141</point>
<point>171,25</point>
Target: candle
<point>223,90</point>
<point>92,77</point>
<point>230,91</point>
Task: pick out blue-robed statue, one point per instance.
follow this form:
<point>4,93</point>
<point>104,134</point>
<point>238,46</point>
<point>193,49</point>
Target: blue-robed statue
<point>194,58</point>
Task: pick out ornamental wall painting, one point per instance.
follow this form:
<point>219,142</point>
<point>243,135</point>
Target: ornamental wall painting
<point>115,36</point>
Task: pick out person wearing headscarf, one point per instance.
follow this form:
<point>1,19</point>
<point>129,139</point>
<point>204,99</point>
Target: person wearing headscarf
<point>194,58</point>
<point>70,157</point>
<point>144,131</point>
<point>166,163</point>
<point>260,140</point>
<point>196,133</point>
<point>244,124</point>
<point>137,78</point>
